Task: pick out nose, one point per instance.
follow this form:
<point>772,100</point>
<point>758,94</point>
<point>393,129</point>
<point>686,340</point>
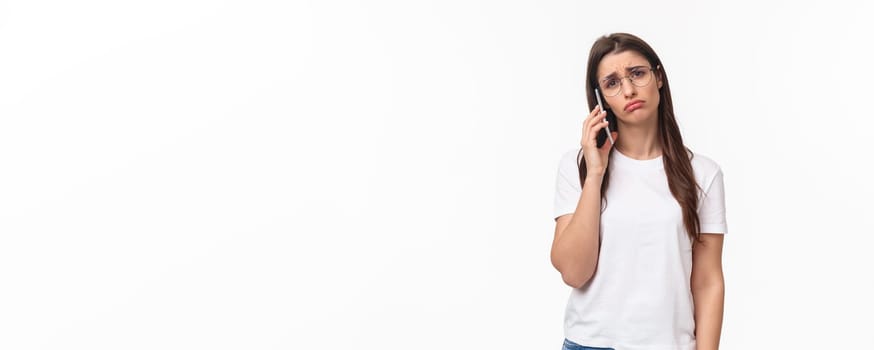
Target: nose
<point>628,89</point>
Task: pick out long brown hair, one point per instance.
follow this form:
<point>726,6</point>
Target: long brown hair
<point>676,157</point>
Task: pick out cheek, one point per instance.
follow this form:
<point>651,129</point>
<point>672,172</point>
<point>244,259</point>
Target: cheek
<point>655,96</point>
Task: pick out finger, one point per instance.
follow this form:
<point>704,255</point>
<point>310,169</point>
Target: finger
<point>590,119</point>
<point>595,117</point>
<point>594,113</point>
<point>594,129</point>
<point>598,124</point>
<point>591,122</point>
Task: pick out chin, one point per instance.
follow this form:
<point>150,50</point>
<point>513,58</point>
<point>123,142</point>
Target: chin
<point>638,116</point>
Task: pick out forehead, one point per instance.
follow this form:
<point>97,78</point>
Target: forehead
<point>619,63</point>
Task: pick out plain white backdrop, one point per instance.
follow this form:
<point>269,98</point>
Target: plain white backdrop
<point>380,175</point>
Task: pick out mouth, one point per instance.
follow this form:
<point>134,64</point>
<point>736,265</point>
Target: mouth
<point>633,105</point>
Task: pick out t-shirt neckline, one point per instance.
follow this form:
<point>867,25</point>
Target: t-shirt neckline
<point>645,163</point>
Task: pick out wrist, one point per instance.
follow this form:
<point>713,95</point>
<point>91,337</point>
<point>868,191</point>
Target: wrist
<point>594,176</point>
<point>594,172</point>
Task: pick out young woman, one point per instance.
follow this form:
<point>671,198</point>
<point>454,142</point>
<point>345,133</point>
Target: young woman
<point>639,222</point>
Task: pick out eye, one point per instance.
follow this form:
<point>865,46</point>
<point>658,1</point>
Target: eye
<point>610,83</point>
<point>637,73</point>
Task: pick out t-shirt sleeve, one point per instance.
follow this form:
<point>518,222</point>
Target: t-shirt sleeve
<point>711,210</point>
<point>567,185</point>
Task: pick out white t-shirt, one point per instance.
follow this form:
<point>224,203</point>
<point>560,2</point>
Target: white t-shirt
<point>640,296</point>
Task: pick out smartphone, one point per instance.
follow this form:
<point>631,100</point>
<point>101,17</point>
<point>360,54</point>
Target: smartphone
<point>611,122</point>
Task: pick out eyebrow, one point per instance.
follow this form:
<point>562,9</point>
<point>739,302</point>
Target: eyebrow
<point>613,75</point>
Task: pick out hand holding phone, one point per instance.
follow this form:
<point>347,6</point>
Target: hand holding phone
<point>595,153</point>
<point>604,134</point>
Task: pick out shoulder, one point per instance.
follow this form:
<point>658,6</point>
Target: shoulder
<point>703,163</point>
<point>706,169</point>
<point>569,164</point>
<point>572,156</point>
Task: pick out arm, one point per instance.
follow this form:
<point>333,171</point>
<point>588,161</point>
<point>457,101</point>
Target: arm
<point>708,290</point>
<point>576,243</point>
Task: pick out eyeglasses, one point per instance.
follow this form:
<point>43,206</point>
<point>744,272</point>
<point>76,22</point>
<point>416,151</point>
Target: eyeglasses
<point>640,77</point>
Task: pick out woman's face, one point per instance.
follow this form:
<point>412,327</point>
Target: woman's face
<point>633,104</point>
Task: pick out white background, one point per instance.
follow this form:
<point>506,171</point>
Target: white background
<point>380,175</point>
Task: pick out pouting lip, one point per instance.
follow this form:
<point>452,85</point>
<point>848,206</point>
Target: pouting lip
<point>632,103</point>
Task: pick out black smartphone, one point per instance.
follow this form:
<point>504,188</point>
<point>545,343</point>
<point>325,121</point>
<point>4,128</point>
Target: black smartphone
<point>612,124</point>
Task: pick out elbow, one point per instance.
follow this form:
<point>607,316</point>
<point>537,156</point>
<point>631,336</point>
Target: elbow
<point>709,281</point>
<point>715,286</point>
<point>573,274</point>
<point>576,281</point>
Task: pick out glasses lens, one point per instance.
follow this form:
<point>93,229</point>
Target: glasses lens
<point>611,87</point>
<point>640,76</point>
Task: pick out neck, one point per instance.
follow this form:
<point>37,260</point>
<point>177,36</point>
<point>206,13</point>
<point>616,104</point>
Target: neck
<point>639,141</point>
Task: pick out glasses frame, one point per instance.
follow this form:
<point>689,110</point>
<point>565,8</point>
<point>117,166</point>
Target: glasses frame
<point>651,74</point>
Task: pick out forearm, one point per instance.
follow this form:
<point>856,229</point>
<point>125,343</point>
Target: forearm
<point>575,250</point>
<point>709,303</point>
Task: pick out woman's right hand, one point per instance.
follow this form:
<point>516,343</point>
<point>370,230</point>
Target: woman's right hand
<point>596,158</point>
